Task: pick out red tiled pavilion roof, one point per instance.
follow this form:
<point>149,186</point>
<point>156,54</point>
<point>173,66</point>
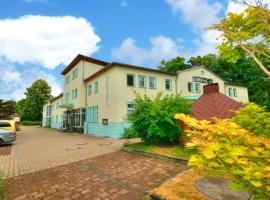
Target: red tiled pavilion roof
<point>214,104</point>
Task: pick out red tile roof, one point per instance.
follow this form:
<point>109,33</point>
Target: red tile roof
<point>214,104</point>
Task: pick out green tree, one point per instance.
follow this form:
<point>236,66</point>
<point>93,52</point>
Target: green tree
<point>246,34</point>
<point>7,108</point>
<point>37,95</point>
<point>173,65</point>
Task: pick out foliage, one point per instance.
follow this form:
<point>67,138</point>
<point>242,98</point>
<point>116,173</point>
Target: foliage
<point>227,149</point>
<point>153,118</point>
<point>7,109</point>
<point>177,151</point>
<point>37,95</point>
<point>254,118</point>
<point>129,133</point>
<point>31,123</point>
<point>246,34</point>
<point>173,65</point>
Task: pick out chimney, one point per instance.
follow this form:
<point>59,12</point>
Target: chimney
<point>211,88</point>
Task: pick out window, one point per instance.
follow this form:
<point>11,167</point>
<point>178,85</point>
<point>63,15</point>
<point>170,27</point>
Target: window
<point>152,82</point>
<point>73,74</point>
<point>194,87</point>
<point>75,93</point>
<point>5,124</point>
<point>232,92</point>
<point>96,87</point>
<point>168,84</point>
<point>130,108</point>
<point>89,90</point>
<point>56,119</point>
<point>66,97</point>
<point>92,114</point>
<point>130,80</point>
<point>142,81</point>
<point>197,88</point>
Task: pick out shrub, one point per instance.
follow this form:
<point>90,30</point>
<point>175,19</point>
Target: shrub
<point>227,149</point>
<point>31,123</point>
<point>254,118</point>
<point>129,133</point>
<point>153,120</point>
<point>1,186</point>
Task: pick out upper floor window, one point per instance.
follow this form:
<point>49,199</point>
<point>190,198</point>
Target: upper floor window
<point>66,97</point>
<point>67,79</point>
<point>168,84</point>
<point>194,87</point>
<point>142,81</point>
<point>89,90</point>
<point>74,73</point>
<point>232,92</point>
<point>130,80</point>
<point>74,93</point>
<point>96,87</point>
<point>152,82</point>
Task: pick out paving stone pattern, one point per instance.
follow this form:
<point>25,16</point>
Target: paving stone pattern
<point>118,175</point>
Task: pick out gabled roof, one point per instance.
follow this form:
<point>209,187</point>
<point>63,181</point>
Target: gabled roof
<point>57,97</point>
<point>214,105</point>
<point>201,67</point>
<point>80,57</point>
<point>116,64</point>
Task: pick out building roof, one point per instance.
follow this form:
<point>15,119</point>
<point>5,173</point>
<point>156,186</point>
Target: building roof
<point>80,57</point>
<point>57,97</point>
<point>214,104</point>
<point>116,64</point>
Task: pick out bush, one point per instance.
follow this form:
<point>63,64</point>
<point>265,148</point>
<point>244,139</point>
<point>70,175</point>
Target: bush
<point>129,133</point>
<point>31,123</point>
<point>153,121</point>
<point>227,149</point>
<point>1,186</point>
<point>254,118</point>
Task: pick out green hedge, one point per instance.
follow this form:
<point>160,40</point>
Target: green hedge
<point>31,123</point>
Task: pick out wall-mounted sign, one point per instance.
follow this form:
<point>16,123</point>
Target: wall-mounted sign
<point>200,79</point>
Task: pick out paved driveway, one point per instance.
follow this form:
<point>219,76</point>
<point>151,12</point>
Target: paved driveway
<point>45,164</point>
<point>42,148</point>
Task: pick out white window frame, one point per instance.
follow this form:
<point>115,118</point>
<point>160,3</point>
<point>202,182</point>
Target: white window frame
<point>170,84</point>
<point>141,78</point>
<point>153,78</point>
<point>230,92</point>
<point>130,110</point>
<point>234,92</point>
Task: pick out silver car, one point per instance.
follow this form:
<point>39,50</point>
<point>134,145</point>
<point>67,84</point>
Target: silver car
<point>7,136</point>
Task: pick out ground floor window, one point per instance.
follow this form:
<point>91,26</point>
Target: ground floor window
<point>92,115</point>
<point>194,87</point>
<point>130,108</point>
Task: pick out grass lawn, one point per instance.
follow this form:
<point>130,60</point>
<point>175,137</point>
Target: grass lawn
<point>177,151</point>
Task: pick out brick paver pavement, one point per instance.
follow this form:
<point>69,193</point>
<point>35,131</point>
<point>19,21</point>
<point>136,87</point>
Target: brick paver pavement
<point>42,148</point>
<point>118,175</point>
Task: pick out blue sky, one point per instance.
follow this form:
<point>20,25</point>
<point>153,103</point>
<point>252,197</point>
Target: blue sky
<point>38,38</point>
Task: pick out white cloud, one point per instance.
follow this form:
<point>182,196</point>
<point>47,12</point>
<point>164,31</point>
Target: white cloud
<point>199,13</point>
<point>47,41</point>
<point>13,83</point>
<point>161,48</point>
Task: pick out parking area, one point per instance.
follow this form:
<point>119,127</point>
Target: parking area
<point>42,148</point>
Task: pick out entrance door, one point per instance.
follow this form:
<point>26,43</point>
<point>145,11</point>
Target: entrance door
<point>70,120</point>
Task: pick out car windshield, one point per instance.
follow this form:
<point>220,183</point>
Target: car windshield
<point>5,124</point>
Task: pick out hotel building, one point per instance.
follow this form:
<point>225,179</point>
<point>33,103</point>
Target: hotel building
<point>98,95</point>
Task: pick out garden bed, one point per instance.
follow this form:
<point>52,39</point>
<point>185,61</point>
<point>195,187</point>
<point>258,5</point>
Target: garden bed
<point>173,152</point>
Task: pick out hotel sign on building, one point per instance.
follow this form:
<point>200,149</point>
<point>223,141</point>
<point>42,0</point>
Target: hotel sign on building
<point>97,95</point>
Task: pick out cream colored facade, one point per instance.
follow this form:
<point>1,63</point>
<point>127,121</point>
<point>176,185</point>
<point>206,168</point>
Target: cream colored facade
<point>97,95</point>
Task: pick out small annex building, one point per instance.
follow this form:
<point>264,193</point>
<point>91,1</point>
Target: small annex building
<point>214,104</point>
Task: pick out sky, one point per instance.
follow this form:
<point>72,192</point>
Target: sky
<point>38,38</point>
